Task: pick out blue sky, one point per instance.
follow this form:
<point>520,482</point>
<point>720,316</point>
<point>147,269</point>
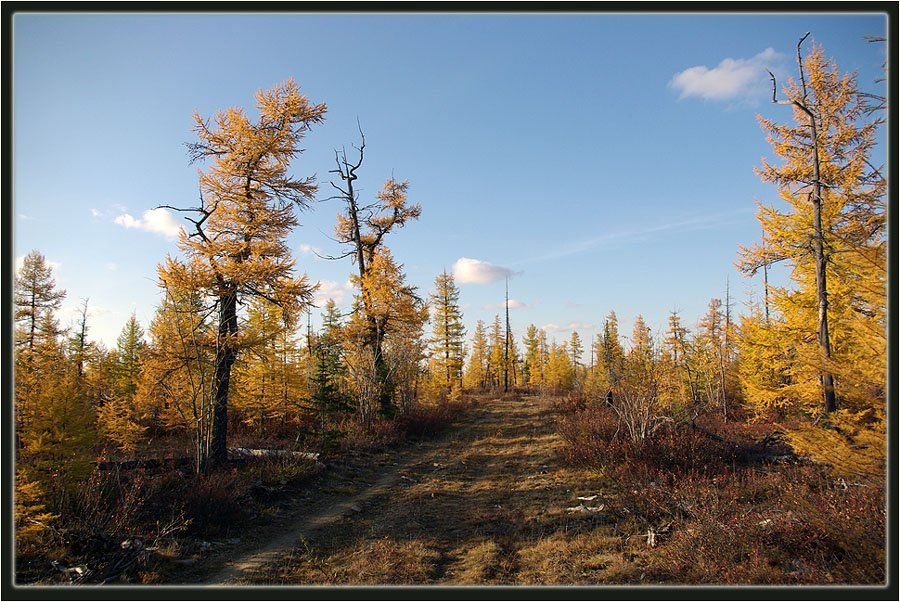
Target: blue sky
<point>605,160</point>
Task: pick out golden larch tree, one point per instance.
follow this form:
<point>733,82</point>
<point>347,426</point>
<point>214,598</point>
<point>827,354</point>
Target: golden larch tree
<point>237,248</point>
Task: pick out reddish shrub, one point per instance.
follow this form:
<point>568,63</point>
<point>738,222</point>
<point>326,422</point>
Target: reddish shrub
<point>217,501</point>
<point>356,437</point>
<point>590,437</point>
<point>420,420</point>
<point>723,512</point>
<point>806,528</point>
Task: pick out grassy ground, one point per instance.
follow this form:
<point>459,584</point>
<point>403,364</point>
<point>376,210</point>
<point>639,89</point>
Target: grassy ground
<point>488,503</point>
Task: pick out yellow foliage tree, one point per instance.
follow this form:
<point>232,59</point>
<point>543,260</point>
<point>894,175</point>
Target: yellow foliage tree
<point>560,372</point>
<point>175,389</point>
<point>400,316</point>
<point>831,323</point>
<point>447,344</point>
<point>119,418</point>
<point>476,373</point>
<point>238,249</point>
<point>272,379</point>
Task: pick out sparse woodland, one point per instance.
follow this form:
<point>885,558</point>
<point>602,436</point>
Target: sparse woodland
<point>748,448</point>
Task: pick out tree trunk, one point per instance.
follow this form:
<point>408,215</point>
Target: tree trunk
<point>821,283</point>
<point>225,356</point>
<point>385,392</point>
<point>827,378</point>
<point>506,343</point>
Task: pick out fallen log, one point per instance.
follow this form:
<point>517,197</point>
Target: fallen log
<point>245,453</point>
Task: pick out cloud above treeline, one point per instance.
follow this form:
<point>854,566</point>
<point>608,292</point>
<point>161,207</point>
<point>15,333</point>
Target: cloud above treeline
<point>731,79</point>
<point>554,328</point>
<point>331,289</point>
<point>512,303</point>
<point>476,271</point>
<point>644,233</point>
<point>308,249</point>
<point>157,221</point>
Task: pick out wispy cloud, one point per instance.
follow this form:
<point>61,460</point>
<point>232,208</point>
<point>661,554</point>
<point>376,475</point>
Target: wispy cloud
<point>104,324</point>
<point>476,271</point>
<point>513,304</point>
<point>731,79</point>
<point>331,289</point>
<point>633,235</point>
<point>557,328</point>
<point>308,249</point>
<point>158,221</point>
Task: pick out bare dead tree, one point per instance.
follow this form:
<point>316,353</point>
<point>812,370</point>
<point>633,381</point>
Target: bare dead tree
<point>506,343</point>
<point>821,257</point>
<point>364,233</point>
<point>81,339</point>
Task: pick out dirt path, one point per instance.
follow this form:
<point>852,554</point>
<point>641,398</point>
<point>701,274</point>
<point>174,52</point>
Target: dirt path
<point>486,502</point>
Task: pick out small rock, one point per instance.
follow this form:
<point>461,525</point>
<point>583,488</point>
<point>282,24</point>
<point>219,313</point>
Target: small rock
<point>582,509</point>
<point>132,544</point>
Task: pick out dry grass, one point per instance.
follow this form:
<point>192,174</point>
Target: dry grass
<point>484,504</point>
<point>586,558</point>
<point>384,561</point>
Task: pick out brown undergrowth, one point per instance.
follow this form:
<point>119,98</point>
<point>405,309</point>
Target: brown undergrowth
<point>142,524</point>
<point>720,504</point>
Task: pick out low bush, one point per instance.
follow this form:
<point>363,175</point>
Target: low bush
<point>424,420</point>
<point>797,526</point>
<point>721,504</point>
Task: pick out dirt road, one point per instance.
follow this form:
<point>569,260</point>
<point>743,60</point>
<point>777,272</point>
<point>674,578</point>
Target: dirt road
<point>488,501</point>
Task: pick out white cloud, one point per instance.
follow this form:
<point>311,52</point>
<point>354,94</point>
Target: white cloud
<point>729,80</point>
<point>307,249</point>
<point>96,213</point>
<point>104,324</point>
<point>24,217</point>
<point>513,304</point>
<point>644,234</point>
<point>158,221</point>
<point>112,266</point>
<point>553,328</point>
<point>476,271</point>
<point>329,289</point>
